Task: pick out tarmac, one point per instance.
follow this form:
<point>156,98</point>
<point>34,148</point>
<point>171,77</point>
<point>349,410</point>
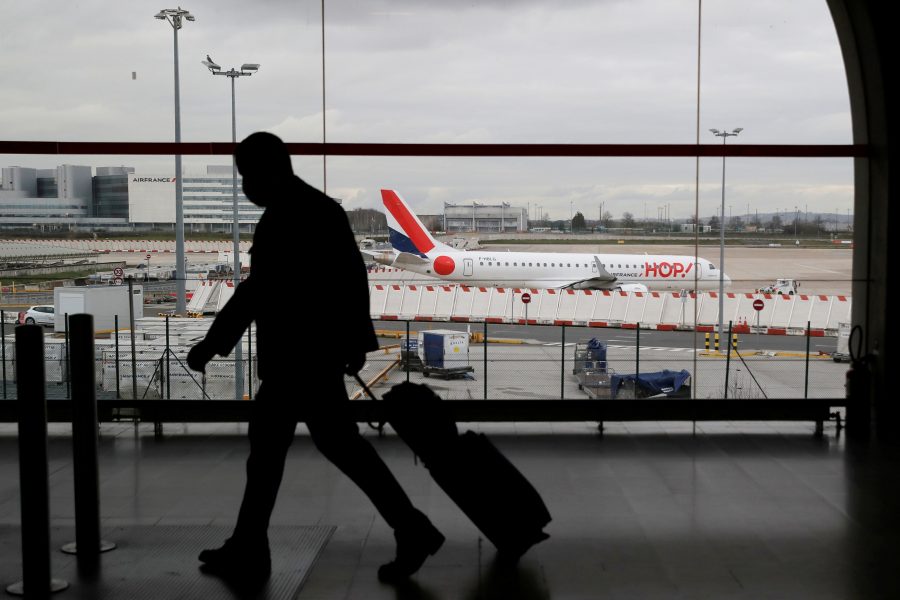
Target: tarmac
<point>522,371</point>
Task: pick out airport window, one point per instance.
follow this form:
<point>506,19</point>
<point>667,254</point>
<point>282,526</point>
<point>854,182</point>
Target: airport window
<point>208,198</point>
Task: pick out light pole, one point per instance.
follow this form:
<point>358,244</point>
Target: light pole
<point>724,135</point>
<point>175,17</point>
<point>247,69</point>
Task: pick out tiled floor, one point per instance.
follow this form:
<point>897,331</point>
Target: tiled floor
<point>646,511</point>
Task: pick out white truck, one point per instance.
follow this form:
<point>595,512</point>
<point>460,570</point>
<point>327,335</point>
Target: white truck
<point>781,286</point>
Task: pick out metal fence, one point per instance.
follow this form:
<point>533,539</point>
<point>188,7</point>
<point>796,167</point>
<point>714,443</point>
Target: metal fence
<point>490,362</point>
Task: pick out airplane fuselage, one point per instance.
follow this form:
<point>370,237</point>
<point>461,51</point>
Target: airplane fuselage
<point>561,270</point>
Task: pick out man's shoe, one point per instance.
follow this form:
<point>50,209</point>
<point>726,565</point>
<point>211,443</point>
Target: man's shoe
<point>414,544</point>
<point>236,562</point>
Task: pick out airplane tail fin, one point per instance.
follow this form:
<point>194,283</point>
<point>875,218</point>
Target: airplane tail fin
<point>407,233</point>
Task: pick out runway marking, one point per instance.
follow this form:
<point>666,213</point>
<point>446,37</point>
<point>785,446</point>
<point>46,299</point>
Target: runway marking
<point>656,348</point>
<point>821,269</point>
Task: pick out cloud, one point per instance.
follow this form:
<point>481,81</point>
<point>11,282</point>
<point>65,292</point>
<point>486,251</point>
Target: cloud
<point>509,71</point>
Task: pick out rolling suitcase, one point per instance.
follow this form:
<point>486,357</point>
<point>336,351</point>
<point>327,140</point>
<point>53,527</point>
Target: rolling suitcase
<point>488,488</point>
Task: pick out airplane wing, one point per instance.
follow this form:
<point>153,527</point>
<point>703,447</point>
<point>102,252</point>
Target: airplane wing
<point>409,259</point>
<point>602,281</point>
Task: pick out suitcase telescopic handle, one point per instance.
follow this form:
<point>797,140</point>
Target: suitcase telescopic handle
<point>365,387</point>
<point>380,426</point>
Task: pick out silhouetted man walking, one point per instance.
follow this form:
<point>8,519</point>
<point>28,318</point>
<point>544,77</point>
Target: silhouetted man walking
<point>342,333</point>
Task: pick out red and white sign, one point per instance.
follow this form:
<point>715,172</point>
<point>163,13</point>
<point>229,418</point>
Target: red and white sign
<point>526,298</point>
<point>758,304</point>
<point>118,272</point>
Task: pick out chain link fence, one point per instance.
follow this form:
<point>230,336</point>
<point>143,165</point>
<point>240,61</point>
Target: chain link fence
<point>477,361</point>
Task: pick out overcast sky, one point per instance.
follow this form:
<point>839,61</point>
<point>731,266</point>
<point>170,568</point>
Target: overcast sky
<point>520,71</point>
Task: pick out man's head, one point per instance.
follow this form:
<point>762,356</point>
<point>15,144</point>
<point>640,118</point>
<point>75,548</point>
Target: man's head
<point>264,163</point>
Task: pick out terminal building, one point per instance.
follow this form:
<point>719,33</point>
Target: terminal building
<point>120,198</point>
<point>484,218</point>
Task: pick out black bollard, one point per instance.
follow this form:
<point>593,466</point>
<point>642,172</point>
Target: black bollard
<point>88,544</point>
<point>33,470</point>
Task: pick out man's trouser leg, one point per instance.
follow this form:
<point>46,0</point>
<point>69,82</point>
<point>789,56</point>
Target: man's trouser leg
<point>272,424</point>
<point>337,436</point>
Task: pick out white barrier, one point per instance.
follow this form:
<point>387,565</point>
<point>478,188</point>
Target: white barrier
<point>446,300</point>
<point>840,311</point>
<point>378,295</point>
<point>780,314</point>
<point>568,304</point>
<point>481,303</point>
<point>409,303</point>
<point>548,309</point>
<point>500,307</point>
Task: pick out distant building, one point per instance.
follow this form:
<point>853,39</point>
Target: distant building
<point>484,218</point>
<point>689,228</point>
<point>60,196</point>
<point>71,196</point>
<point>208,201</point>
<point>432,222</point>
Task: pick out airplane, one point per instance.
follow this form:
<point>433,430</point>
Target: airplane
<point>414,249</point>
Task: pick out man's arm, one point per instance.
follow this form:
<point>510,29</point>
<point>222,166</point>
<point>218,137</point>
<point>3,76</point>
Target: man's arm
<point>228,327</point>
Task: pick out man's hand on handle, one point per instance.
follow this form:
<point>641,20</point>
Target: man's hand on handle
<point>355,363</point>
<point>199,355</point>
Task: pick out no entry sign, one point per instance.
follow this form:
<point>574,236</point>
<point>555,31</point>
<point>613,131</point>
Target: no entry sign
<point>526,298</point>
<point>758,304</point>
